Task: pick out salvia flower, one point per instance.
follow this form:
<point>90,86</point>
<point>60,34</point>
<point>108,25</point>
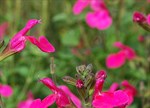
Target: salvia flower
<point>109,99</point>
<point>116,60</point>
<point>99,17</point>
<point>18,42</point>
<point>61,95</point>
<point>5,90</point>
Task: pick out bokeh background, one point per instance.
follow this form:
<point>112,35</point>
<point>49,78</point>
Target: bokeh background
<point>76,43</point>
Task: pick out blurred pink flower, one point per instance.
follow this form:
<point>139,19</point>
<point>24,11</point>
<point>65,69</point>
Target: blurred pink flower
<point>5,90</point>
<point>109,99</point>
<point>26,103</point>
<point>99,18</point>
<point>118,59</point>
<point>17,43</point>
<point>62,95</point>
<point>3,28</point>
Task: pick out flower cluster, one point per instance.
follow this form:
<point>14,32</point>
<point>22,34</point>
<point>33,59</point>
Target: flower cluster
<point>116,60</point>
<point>99,18</point>
<point>64,98</point>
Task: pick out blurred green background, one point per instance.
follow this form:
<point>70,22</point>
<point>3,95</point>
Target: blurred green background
<point>76,43</point>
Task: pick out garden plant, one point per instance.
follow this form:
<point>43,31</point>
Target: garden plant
<point>74,53</point>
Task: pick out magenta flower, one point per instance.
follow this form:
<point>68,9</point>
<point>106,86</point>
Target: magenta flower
<point>26,103</point>
<point>3,28</point>
<point>17,43</point>
<point>118,59</point>
<point>99,18</point>
<point>5,90</point>
<point>108,99</point>
<point>61,95</point>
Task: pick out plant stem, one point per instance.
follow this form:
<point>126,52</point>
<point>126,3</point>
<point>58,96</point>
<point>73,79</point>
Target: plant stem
<point>52,69</point>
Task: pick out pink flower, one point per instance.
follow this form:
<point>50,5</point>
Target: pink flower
<point>99,18</point>
<point>17,43</point>
<point>26,103</point>
<point>5,90</point>
<point>118,59</point>
<point>3,28</point>
<point>107,99</point>
<point>62,95</point>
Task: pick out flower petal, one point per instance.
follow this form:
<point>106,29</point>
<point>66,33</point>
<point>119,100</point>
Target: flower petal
<point>48,101</point>
<point>74,99</point>
<point>79,6</point>
<point>116,60</point>
<point>104,20</point>
<point>42,43</point>
<point>49,83</point>
<point>113,87</point>
<point>117,99</point>
<point>36,104</point>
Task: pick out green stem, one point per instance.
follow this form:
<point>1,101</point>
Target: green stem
<point>1,102</point>
<point>52,69</point>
